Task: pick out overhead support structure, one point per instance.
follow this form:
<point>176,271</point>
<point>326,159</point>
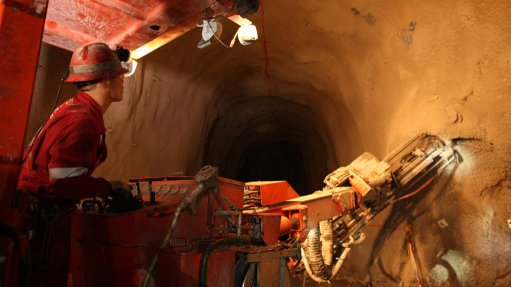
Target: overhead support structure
<point>140,26</point>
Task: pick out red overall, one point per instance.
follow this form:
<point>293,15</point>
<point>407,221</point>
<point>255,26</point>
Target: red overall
<point>73,136</point>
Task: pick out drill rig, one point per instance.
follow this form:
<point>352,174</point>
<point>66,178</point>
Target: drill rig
<point>211,231</point>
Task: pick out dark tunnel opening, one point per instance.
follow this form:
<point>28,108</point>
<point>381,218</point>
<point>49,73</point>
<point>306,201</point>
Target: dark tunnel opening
<point>269,139</point>
<point>282,160</point>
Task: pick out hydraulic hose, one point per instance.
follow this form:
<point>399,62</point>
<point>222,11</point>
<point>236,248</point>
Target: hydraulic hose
<point>309,270</point>
<point>312,248</point>
<point>312,256</point>
<point>224,242</point>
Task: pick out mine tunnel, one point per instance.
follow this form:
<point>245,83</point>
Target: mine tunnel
<point>326,81</point>
<point>263,138</point>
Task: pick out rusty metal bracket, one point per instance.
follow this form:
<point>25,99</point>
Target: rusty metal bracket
<point>269,262</point>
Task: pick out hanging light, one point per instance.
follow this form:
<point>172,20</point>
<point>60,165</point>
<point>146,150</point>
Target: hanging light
<point>131,66</point>
<point>210,28</point>
<point>247,34</point>
<point>127,61</point>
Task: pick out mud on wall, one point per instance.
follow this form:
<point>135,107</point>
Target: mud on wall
<point>326,81</point>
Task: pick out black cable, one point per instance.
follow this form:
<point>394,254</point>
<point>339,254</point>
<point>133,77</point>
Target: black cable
<point>31,143</point>
<point>63,77</point>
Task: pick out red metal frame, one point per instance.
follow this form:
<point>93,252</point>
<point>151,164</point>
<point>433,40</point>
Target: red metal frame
<point>21,30</point>
<point>117,249</point>
<point>182,269</point>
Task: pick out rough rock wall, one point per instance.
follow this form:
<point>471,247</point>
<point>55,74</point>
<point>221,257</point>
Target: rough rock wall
<point>53,63</point>
<point>328,80</point>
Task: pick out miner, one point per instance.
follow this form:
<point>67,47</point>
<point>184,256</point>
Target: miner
<point>57,166</point>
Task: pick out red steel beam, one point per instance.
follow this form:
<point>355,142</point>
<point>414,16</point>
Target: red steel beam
<point>60,36</point>
<point>188,23</point>
<point>21,29</point>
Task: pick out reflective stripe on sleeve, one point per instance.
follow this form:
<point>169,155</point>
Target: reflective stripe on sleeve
<point>65,172</point>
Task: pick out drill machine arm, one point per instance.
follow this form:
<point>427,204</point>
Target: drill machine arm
<point>327,223</point>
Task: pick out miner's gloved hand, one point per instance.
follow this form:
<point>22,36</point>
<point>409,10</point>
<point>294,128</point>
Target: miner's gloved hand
<point>122,200</point>
<point>120,190</point>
